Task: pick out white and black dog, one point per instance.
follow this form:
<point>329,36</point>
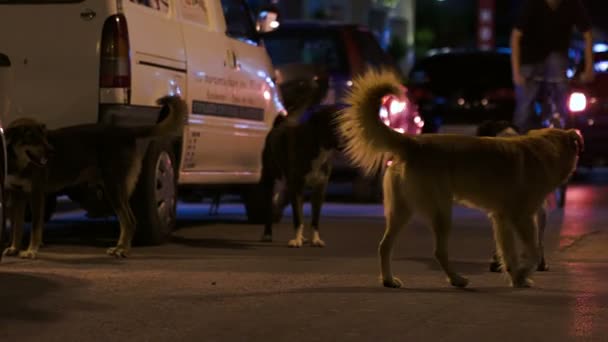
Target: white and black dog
<point>299,153</point>
<point>502,128</point>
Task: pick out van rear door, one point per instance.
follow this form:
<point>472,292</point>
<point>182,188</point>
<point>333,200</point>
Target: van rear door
<point>53,47</point>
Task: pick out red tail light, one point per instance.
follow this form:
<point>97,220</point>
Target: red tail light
<point>501,94</point>
<point>115,66</point>
<point>421,94</point>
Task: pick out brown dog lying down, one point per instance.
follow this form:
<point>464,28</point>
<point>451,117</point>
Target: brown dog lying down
<point>503,128</point>
<point>42,161</point>
<point>508,178</point>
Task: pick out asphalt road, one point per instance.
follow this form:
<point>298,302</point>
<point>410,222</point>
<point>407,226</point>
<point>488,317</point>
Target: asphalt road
<point>215,282</point>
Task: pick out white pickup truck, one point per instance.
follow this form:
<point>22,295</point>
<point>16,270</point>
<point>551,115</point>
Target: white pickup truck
<point>70,62</point>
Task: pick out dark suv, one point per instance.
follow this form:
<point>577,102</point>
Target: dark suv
<point>343,51</point>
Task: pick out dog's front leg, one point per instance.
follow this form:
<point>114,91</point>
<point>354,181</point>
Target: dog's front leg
<point>296,195</point>
<point>16,215</point>
<point>317,198</point>
<point>441,227</point>
<point>37,207</point>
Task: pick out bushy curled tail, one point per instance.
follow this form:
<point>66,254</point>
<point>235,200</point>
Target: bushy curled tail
<point>175,111</point>
<point>366,138</point>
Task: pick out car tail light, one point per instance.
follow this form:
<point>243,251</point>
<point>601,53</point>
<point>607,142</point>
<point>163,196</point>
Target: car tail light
<point>500,94</point>
<point>115,64</point>
<point>421,94</point>
<point>401,115</point>
<point>577,102</point>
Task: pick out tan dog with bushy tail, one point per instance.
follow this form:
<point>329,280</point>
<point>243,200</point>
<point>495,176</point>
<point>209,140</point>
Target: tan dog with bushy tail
<point>508,178</point>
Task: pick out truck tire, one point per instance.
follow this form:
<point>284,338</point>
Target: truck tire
<point>154,201</point>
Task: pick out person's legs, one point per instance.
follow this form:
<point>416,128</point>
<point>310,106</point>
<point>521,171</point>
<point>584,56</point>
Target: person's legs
<point>555,73</point>
<point>525,96</point>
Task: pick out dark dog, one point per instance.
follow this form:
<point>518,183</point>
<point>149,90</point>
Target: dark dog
<point>42,162</point>
<point>299,153</point>
<point>503,128</point>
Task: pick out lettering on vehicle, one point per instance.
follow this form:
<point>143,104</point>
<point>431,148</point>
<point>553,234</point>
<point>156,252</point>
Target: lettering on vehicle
<point>227,110</point>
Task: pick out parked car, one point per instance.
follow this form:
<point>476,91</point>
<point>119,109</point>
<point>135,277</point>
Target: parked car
<point>107,61</point>
<point>588,105</point>
<point>344,51</point>
<point>457,89</point>
<point>4,104</point>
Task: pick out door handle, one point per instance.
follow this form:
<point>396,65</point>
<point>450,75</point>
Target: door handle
<point>231,60</point>
<point>88,14</point>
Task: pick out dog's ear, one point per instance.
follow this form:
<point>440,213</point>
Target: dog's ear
<point>11,134</point>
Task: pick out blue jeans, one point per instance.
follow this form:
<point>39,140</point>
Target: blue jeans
<point>550,73</point>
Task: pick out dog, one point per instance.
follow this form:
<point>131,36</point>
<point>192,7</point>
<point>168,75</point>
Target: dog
<point>299,154</point>
<point>508,178</point>
<point>42,161</point>
<point>502,128</point>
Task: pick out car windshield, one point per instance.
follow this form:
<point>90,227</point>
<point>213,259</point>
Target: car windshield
<point>39,2</point>
<point>318,47</point>
<point>370,49</point>
<point>466,70</point>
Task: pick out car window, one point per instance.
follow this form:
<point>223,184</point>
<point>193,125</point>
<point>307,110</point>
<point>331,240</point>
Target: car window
<point>370,50</point>
<point>464,70</point>
<point>160,5</point>
<point>195,11</point>
<point>307,47</point>
<point>239,21</point>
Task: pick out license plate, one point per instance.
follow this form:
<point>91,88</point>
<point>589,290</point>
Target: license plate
<point>459,129</point>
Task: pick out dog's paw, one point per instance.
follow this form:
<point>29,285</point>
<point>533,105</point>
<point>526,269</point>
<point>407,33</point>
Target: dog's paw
<point>295,243</point>
<point>542,266</point>
<point>318,243</point>
<point>495,267</point>
<point>523,283</point>
<point>393,283</point>
<point>266,238</point>
<point>458,281</point>
<point>28,254</point>
<point>521,280</point>
<point>119,252</point>
<point>11,251</point>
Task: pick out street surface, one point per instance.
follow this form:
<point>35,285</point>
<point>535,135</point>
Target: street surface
<point>215,282</point>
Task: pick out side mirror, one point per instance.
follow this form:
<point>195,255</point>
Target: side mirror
<point>268,19</point>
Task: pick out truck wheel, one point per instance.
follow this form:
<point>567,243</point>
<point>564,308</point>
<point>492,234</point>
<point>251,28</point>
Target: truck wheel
<point>154,201</point>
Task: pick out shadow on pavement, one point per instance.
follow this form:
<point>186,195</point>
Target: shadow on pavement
<point>465,267</point>
<point>22,297</point>
<point>212,243</point>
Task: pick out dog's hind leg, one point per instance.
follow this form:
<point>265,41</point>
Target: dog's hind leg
<point>525,227</point>
<point>442,224</point>
<point>397,214</point>
<point>541,222</point>
<point>316,201</point>
<point>267,184</point>
<point>118,198</point>
<point>505,244</point>
<point>16,210</point>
